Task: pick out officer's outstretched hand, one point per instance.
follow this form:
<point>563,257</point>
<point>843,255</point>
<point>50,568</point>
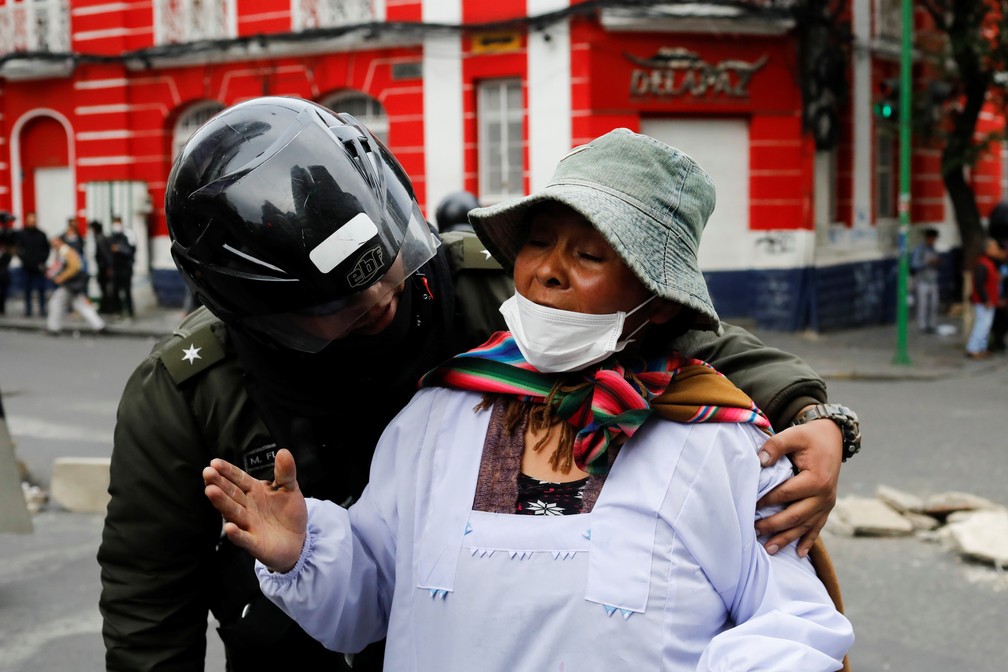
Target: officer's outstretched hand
<point>269,520</point>
<point>815,450</point>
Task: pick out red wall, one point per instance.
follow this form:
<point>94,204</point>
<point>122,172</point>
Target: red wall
<point>781,156</point>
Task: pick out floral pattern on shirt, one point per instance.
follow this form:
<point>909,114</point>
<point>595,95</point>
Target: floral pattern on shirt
<point>545,498</point>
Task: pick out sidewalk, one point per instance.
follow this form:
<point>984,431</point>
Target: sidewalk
<point>867,353</point>
<point>148,323</point>
<point>870,353</point>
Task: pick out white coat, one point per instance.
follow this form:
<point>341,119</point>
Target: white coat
<point>665,573</point>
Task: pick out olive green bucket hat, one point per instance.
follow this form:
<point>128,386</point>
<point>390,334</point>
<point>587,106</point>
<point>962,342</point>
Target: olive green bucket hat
<point>649,200</point>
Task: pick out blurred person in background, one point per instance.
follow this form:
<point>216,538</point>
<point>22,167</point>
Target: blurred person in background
<point>32,250</point>
<point>6,256</point>
<point>67,272</point>
<point>997,228</point>
<point>103,266</point>
<point>924,264</point>
<point>123,248</point>
<point>985,298</point>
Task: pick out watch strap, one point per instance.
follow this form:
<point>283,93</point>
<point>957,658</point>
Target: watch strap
<point>845,419</point>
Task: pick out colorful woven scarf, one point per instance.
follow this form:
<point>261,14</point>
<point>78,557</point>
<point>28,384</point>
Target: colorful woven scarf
<point>604,401</point>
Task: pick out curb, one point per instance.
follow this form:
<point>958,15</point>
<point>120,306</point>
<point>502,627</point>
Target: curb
<point>74,328</point>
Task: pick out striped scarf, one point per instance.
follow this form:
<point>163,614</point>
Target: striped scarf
<point>606,400</point>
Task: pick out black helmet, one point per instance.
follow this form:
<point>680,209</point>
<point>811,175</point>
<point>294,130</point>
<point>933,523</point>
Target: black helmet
<point>453,211</point>
<point>293,220</point>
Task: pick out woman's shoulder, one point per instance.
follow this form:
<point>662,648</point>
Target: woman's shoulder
<point>745,434</point>
<point>430,402</point>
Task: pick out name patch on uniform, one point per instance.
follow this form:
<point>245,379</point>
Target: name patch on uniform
<point>258,462</point>
<point>343,243</point>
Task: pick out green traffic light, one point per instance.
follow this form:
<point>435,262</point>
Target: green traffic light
<point>885,110</point>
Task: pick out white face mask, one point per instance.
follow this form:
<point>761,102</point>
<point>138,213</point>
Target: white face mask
<point>554,340</point>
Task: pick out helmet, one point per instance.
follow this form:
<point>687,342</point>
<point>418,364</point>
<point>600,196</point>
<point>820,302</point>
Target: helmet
<point>453,211</point>
<point>293,220</point>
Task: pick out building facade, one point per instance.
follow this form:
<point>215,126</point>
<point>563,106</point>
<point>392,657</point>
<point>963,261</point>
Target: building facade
<point>97,98</point>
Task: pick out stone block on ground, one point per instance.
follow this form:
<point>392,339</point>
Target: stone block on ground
<point>945,503</point>
<point>921,521</point>
<point>899,500</point>
<point>872,517</point>
<point>80,484</point>
<point>983,536</point>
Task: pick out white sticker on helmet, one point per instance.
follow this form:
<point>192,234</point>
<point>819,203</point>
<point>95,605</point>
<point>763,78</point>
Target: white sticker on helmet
<point>343,243</point>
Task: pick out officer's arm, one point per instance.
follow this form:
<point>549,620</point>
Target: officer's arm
<point>780,383</point>
<point>160,531</point>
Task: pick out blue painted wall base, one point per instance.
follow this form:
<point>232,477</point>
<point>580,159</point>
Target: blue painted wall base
<point>827,298</point>
<point>169,287</point>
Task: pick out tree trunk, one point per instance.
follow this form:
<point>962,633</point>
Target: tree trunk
<point>967,215</point>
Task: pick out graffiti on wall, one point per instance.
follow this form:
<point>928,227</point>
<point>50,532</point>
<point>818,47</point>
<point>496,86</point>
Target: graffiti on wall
<point>777,242</point>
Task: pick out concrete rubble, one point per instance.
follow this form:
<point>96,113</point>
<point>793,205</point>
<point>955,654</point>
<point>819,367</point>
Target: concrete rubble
<point>974,527</point>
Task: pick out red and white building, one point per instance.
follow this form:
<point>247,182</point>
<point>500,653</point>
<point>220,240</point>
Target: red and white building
<point>96,98</point>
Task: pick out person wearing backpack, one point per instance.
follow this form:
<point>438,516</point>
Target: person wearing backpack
<point>67,272</point>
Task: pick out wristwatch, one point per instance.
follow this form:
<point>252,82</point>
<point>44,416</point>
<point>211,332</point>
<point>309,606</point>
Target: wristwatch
<point>844,418</point>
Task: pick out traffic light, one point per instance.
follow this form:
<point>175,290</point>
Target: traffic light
<point>937,93</point>
<point>887,107</point>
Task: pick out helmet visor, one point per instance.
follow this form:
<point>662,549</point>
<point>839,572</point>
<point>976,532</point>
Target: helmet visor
<point>366,312</point>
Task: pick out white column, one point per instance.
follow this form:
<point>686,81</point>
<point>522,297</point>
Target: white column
<point>442,104</point>
<point>549,93</point>
<point>861,89</point>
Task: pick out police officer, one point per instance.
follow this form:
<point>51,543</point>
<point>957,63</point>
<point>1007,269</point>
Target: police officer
<point>325,297</point>
<point>480,283</point>
<point>452,213</point>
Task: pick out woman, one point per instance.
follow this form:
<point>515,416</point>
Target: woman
<point>637,550</point>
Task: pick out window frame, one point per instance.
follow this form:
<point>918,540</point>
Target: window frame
<point>885,173</point>
<point>500,128</point>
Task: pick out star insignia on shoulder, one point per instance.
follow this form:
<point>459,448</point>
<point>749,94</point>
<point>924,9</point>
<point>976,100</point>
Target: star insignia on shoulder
<point>486,253</point>
<point>191,354</point>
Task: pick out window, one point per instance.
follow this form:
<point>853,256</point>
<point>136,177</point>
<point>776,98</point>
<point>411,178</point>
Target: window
<point>500,114</point>
<point>181,21</point>
<point>311,14</point>
<point>825,189</point>
<point>889,19</point>
<point>885,174</point>
<point>39,25</point>
<point>191,120</point>
<point>364,108</point>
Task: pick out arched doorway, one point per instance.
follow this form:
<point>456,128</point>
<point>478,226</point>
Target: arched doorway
<point>47,179</point>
